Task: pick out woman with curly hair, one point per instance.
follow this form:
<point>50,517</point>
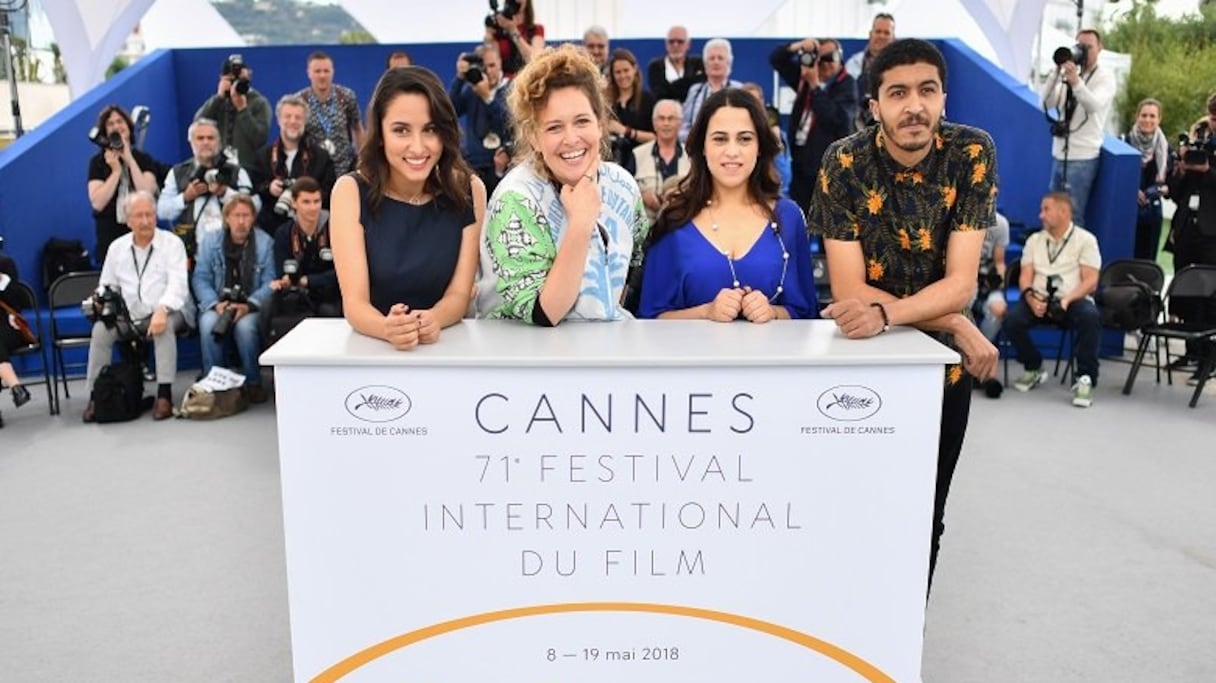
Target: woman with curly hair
<point>564,227</point>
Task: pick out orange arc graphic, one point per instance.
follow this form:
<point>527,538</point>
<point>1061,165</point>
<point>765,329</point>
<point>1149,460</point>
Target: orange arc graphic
<point>867,671</point>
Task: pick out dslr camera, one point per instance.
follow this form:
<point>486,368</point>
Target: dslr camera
<point>1055,310</point>
<point>1077,54</point>
<point>223,326</point>
<point>476,72</point>
<point>509,9</point>
<point>808,58</point>
<point>284,206</point>
<point>225,171</point>
<point>1199,151</point>
<point>235,66</point>
<point>107,305</point>
<point>112,141</point>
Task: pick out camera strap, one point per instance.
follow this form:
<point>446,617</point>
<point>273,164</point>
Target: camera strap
<point>139,272</point>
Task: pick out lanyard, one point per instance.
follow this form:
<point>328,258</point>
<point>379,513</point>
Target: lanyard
<point>1051,258</point>
<point>323,120</point>
<point>139,272</point>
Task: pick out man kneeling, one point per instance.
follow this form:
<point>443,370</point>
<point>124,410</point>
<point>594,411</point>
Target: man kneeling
<point>232,284</point>
<point>307,285</point>
<point>148,268</point>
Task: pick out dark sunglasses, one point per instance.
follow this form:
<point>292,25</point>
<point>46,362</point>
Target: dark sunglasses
<point>677,41</point>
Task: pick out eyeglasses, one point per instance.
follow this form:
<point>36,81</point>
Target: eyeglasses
<point>677,41</point>
<point>829,57</point>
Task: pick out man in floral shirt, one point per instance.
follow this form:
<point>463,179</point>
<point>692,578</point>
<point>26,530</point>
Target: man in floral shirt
<point>333,114</point>
<point>902,206</point>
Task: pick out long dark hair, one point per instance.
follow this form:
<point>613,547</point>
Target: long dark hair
<point>450,180</point>
<point>635,89</point>
<point>696,188</point>
<point>105,116</point>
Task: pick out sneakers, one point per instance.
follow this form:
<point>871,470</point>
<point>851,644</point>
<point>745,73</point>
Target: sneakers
<point>1083,392</point>
<point>1030,379</point>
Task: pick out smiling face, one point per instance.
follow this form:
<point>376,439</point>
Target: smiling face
<point>882,34</point>
<point>568,135</point>
<point>308,207</point>
<point>291,122</point>
<point>623,74</point>
<point>412,145</point>
<point>1148,119</point>
<point>731,147</point>
<point>909,107</point>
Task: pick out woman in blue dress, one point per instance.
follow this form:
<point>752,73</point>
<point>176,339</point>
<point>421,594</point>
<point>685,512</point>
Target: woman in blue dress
<point>405,224</point>
<point>727,246</point>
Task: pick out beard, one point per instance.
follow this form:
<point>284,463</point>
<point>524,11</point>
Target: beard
<point>890,133</point>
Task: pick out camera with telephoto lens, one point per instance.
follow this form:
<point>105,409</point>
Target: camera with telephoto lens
<point>1199,151</point>
<point>107,306</point>
<point>111,141</point>
<point>477,68</point>
<point>235,66</point>
<point>284,206</point>
<point>291,268</point>
<point>1077,54</point>
<point>509,9</point>
<point>233,295</point>
<point>224,171</point>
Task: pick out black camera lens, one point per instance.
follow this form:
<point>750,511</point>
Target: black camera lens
<point>242,86</point>
<point>115,141</point>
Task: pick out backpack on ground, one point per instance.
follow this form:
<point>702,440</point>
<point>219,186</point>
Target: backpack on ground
<point>200,404</point>
<point>118,392</point>
<point>62,256</point>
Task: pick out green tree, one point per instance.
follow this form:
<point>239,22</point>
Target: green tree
<point>115,66</point>
<point>1173,60</point>
<point>59,70</point>
<point>356,37</point>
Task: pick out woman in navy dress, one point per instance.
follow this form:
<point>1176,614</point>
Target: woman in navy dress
<point>726,246</point>
<point>405,224</point>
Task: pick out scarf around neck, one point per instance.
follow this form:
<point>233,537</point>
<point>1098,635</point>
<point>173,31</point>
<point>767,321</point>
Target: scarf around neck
<point>1151,147</point>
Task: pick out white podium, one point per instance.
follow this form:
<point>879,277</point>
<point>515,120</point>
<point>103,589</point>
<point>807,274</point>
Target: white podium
<point>651,501</point>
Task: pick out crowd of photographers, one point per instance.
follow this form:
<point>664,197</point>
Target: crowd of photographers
<point>251,212</point>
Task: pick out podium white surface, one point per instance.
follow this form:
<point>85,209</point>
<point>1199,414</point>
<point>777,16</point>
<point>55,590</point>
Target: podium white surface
<point>652,501</point>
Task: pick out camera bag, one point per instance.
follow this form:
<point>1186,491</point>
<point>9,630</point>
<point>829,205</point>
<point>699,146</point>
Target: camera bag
<point>62,256</point>
<point>118,392</point>
<point>200,404</point>
<point>1128,305</point>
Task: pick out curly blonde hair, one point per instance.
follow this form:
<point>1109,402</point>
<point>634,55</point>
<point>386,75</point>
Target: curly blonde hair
<point>567,66</point>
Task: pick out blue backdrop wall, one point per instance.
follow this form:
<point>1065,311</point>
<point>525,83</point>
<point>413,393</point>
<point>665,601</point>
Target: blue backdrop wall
<point>43,174</point>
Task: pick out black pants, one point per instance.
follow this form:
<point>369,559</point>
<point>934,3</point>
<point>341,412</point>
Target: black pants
<point>956,409</point>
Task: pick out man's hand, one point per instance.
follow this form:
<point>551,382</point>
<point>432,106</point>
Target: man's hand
<point>979,355</point>
<point>755,306</point>
<point>726,306</point>
<point>113,160</point>
<point>276,187</point>
<point>242,310</point>
<point>194,190</point>
<point>224,87</point>
<point>159,323</point>
<point>1070,73</point>
<point>651,200</point>
<point>280,284</point>
<point>401,327</point>
<point>483,90</point>
<point>501,161</point>
<point>1037,304</point>
<point>217,189</point>
<point>238,100</point>
<point>855,318</point>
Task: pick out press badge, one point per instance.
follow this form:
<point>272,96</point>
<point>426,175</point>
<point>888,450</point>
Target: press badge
<point>491,141</point>
<point>1193,202</point>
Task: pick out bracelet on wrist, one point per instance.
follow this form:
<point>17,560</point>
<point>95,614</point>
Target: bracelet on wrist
<point>882,310</point>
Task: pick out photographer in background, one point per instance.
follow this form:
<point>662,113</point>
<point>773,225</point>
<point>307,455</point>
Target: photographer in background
<point>241,113</point>
<point>1148,139</point>
<point>825,105</point>
<point>147,267</point>
<point>1193,188</point>
<point>1082,93</point>
<point>882,34</point>
<point>196,189</point>
<point>232,284</point>
<point>1060,266</point>
<point>479,93</point>
<point>292,156</point>
<point>307,284</point>
<point>334,123</point>
<point>11,338</point>
<point>514,30</point>
<point>116,171</point>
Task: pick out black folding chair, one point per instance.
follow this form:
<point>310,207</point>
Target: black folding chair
<point>1129,271</point>
<point>67,291</point>
<point>1193,288</point>
<point>27,305</point>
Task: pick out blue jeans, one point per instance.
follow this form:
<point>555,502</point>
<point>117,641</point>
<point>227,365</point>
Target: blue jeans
<point>1081,175</point>
<point>247,335</point>
<point>1082,317</point>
